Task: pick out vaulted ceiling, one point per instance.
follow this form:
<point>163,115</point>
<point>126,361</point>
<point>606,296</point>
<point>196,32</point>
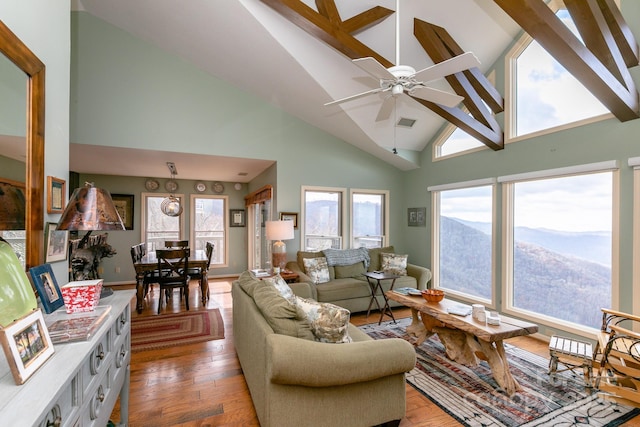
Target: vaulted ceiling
<point>296,55</point>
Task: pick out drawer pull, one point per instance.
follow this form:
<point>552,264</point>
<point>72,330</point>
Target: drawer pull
<point>96,402</point>
<point>100,355</point>
<point>56,423</point>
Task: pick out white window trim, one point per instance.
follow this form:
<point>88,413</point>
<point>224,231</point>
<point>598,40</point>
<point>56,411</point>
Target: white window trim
<point>385,236</point>
<point>343,213</point>
<point>435,235</point>
<point>143,217</point>
<point>510,91</point>
<point>508,241</point>
<point>192,221</point>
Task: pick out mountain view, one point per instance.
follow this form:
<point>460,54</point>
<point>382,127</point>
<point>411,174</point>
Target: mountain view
<point>561,274</point>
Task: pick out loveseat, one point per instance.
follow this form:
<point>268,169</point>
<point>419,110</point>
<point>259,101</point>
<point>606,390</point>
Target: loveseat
<point>348,288</point>
<point>295,380</point>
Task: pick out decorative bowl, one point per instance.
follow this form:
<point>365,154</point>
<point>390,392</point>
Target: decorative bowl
<point>433,295</point>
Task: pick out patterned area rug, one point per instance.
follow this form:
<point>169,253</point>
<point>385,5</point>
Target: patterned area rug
<point>471,396</point>
<point>168,330</point>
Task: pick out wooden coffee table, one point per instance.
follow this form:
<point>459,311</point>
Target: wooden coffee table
<point>465,339</point>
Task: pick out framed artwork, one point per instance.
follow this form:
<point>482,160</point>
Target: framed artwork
<point>45,283</point>
<point>290,216</point>
<point>13,208</point>
<point>27,345</point>
<point>417,217</point>
<point>237,218</point>
<point>55,194</point>
<point>56,243</point>
<point>124,206</point>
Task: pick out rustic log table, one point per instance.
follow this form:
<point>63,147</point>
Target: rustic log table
<point>464,338</point>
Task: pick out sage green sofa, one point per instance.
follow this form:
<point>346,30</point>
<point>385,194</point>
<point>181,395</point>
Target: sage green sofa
<point>296,381</point>
<point>348,288</point>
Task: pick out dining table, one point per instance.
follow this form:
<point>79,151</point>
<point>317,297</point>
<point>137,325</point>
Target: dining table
<point>149,262</point>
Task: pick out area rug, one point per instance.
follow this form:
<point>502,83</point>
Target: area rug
<point>471,395</point>
<point>169,330</point>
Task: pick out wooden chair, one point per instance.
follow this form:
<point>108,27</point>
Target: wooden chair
<point>150,277</point>
<point>176,243</point>
<point>173,266</point>
<point>618,352</point>
<point>198,274</point>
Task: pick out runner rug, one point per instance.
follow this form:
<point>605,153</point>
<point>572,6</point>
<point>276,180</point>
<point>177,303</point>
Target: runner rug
<point>174,329</point>
<point>471,396</point>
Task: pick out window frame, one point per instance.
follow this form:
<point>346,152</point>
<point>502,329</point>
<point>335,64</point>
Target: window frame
<point>144,219</point>
<point>507,224</point>
<point>225,213</point>
<point>342,211</point>
<point>385,238</point>
<point>435,239</point>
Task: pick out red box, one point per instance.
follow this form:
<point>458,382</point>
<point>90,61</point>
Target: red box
<point>82,295</point>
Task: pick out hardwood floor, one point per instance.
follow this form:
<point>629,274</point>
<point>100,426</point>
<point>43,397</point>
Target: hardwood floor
<point>202,384</point>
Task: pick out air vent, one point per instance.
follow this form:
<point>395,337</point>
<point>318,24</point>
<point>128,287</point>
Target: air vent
<point>243,173</point>
<point>406,123</point>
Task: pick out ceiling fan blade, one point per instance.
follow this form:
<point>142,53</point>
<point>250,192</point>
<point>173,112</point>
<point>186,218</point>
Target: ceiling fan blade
<point>437,96</point>
<point>373,67</point>
<point>356,96</point>
<point>385,109</point>
<point>445,68</point>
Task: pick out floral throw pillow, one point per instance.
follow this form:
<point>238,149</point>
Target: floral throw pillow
<point>282,287</point>
<point>329,323</point>
<point>394,264</point>
<point>317,269</point>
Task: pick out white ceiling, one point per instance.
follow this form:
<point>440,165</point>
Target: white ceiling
<point>298,73</point>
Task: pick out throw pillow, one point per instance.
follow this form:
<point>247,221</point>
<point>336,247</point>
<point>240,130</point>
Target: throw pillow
<point>394,264</point>
<point>284,317</point>
<point>374,256</point>
<point>317,269</point>
<point>353,270</point>
<point>282,287</point>
<point>329,323</point>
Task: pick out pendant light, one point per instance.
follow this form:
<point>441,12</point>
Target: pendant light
<point>171,206</point>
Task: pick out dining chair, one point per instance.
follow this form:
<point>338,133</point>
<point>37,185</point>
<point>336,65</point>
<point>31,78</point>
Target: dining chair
<point>176,243</point>
<point>197,273</point>
<point>149,277</point>
<point>173,265</point>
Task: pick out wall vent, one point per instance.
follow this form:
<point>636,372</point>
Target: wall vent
<point>407,123</point>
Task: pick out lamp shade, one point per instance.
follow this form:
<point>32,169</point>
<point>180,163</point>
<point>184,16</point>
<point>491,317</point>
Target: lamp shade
<point>90,209</point>
<point>279,230</point>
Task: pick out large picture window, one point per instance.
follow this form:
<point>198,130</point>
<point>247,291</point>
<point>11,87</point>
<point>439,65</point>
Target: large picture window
<point>322,218</point>
<point>208,225</point>
<point>558,231</point>
<point>463,239</point>
<point>157,226</point>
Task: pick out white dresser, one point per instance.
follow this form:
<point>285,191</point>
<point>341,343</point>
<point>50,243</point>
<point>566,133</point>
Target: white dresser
<point>80,383</point>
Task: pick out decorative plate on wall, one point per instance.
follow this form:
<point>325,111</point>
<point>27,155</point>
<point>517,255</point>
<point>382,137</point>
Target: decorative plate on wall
<point>200,186</point>
<point>171,186</point>
<point>151,184</point>
<point>217,187</point>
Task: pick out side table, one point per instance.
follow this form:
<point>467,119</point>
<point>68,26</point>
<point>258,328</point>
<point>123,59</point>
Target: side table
<point>289,276</point>
<point>375,278</point>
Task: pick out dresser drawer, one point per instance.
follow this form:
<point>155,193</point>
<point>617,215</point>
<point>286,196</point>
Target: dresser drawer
<point>65,409</point>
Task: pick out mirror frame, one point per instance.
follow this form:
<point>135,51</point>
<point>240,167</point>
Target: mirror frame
<point>18,53</point>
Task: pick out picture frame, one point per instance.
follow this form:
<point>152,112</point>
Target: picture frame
<point>56,243</point>
<point>13,199</point>
<point>290,216</point>
<point>56,189</point>
<point>46,284</point>
<point>237,218</point>
<point>124,206</point>
<point>417,217</point>
<point>27,345</point>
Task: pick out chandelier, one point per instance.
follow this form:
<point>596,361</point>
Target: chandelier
<point>171,206</point>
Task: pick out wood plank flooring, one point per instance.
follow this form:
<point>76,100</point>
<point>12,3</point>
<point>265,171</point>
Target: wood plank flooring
<point>202,385</point>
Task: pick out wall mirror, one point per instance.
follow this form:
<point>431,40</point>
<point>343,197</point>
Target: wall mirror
<point>22,146</point>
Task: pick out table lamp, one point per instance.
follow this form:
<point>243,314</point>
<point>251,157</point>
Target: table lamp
<point>279,231</point>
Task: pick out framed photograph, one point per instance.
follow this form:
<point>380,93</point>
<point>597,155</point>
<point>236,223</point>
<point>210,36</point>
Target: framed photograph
<point>45,283</point>
<point>290,216</point>
<point>237,218</point>
<point>56,188</point>
<point>56,243</point>
<point>124,206</point>
<point>417,217</point>
<point>26,345</point>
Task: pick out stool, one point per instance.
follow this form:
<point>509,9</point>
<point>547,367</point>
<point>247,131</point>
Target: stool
<point>573,354</point>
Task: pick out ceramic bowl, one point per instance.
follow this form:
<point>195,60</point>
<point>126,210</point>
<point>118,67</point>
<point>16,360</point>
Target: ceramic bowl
<point>433,295</point>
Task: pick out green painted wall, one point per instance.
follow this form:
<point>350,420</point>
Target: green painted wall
<point>127,93</point>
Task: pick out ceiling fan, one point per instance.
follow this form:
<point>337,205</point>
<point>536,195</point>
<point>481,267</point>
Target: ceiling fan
<point>403,79</point>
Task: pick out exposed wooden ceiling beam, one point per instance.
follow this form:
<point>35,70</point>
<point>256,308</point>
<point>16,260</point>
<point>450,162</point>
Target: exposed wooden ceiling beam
<point>541,23</point>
